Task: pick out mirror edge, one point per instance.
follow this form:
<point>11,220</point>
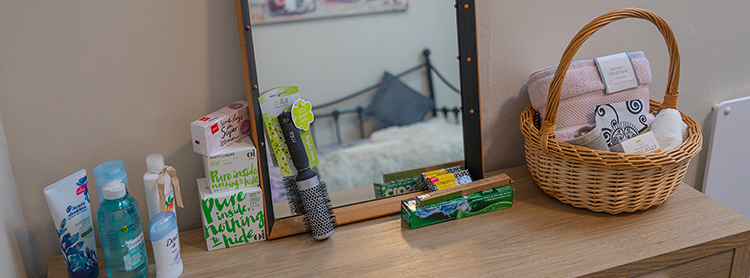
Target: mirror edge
<point>256,120</point>
<point>466,31</point>
<point>470,93</point>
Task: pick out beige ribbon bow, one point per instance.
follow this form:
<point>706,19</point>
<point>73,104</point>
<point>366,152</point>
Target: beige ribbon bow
<point>175,187</point>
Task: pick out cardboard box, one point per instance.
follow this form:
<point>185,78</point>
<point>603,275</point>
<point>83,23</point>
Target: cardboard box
<point>644,143</point>
<point>465,206</point>
<point>220,129</point>
<point>232,218</point>
<point>232,168</point>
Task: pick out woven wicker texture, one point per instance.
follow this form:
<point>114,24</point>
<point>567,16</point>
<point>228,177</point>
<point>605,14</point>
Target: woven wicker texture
<point>607,181</point>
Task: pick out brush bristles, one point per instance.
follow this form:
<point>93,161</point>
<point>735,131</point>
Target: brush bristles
<point>295,203</point>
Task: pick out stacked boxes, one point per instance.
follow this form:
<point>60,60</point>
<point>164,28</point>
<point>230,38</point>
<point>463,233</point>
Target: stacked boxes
<point>230,197</point>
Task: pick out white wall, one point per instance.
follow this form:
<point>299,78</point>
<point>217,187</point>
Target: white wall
<point>331,58</point>
<point>518,37</point>
<point>84,82</point>
<point>15,250</point>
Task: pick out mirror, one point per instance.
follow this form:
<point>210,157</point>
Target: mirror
<point>405,58</point>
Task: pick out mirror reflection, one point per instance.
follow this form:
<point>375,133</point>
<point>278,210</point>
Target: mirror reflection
<point>382,88</point>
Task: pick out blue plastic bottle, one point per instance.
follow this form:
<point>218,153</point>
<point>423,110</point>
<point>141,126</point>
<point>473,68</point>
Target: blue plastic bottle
<point>107,172</point>
<point>121,233</point>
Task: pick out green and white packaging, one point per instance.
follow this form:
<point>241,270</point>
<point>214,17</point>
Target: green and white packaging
<point>397,187</point>
<point>477,203</point>
<point>232,168</point>
<point>232,218</point>
<point>272,103</point>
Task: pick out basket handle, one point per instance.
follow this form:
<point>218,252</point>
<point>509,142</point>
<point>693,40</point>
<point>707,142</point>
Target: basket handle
<point>553,98</point>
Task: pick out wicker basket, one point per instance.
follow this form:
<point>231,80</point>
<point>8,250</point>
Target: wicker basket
<point>607,181</point>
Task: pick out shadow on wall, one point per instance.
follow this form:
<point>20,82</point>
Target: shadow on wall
<point>702,157</point>
<point>507,139</point>
<point>225,84</point>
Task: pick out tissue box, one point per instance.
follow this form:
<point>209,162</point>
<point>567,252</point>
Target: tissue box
<point>232,168</point>
<point>232,218</point>
<point>219,129</point>
<point>477,203</point>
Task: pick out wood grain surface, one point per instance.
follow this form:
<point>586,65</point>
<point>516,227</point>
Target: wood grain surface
<point>537,237</point>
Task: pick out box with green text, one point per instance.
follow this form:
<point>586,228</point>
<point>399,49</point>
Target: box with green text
<point>234,167</point>
<point>231,218</point>
<point>465,206</point>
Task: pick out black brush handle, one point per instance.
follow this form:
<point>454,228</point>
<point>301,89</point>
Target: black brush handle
<point>293,141</point>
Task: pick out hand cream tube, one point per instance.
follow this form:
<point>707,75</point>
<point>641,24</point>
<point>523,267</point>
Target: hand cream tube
<point>68,201</point>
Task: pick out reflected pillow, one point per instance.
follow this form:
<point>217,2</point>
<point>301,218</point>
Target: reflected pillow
<point>397,104</point>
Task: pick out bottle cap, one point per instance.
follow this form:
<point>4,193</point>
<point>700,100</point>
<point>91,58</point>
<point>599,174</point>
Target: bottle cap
<point>114,190</point>
<point>161,225</point>
<point>109,171</point>
<point>155,163</point>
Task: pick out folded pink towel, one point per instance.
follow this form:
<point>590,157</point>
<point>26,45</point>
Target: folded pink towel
<point>582,91</point>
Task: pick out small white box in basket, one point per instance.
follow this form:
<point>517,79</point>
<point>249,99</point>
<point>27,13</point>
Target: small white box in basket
<point>232,168</point>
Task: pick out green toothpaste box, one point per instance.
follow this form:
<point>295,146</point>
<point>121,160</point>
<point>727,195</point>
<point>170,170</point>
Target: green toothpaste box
<point>397,187</point>
<point>465,206</point>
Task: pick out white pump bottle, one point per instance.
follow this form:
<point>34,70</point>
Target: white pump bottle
<point>155,164</point>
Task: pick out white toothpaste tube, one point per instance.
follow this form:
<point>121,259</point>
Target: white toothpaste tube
<point>69,203</point>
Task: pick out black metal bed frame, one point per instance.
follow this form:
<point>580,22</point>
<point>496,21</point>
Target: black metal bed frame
<point>429,69</point>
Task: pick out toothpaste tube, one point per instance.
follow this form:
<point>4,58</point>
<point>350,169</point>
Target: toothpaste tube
<point>69,203</point>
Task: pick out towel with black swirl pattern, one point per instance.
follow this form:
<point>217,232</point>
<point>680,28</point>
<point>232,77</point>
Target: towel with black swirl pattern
<point>622,120</point>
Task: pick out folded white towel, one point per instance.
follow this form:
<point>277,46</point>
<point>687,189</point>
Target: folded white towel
<point>669,129</point>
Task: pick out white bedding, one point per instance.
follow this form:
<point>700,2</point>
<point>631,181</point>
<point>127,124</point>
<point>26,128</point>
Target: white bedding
<point>392,149</point>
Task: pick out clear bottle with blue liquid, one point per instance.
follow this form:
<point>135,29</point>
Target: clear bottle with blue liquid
<point>121,233</point>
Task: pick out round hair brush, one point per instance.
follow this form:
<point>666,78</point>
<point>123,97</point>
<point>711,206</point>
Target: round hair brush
<point>310,193</point>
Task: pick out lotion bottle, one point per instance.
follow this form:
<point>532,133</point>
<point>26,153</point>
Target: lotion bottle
<point>155,164</point>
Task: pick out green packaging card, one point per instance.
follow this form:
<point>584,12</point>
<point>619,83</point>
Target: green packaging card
<point>272,103</point>
<point>477,203</point>
<point>397,187</point>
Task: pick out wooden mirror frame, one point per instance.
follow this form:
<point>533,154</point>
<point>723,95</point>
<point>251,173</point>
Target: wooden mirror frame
<point>472,135</point>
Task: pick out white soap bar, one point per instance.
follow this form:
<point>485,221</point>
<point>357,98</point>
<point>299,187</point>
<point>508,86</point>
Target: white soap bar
<point>644,143</point>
